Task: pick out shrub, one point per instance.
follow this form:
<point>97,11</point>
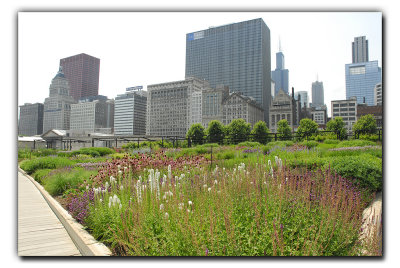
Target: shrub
<point>369,137</point>
<point>196,133</point>
<point>320,138</point>
<point>30,166</point>
<point>354,143</point>
<point>338,126</point>
<point>41,174</point>
<point>238,131</point>
<point>364,170</point>
<point>310,144</point>
<point>215,132</point>
<point>260,133</point>
<point>226,155</point>
<point>366,124</point>
<point>307,127</point>
<point>284,130</point>
<point>329,141</point>
<point>250,144</point>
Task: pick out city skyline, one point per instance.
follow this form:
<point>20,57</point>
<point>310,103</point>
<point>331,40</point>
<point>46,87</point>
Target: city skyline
<point>133,56</point>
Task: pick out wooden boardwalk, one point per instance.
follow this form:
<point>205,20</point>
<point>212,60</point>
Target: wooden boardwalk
<point>40,233</point>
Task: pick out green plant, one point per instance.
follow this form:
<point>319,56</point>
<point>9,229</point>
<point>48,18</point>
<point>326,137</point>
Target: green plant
<point>310,144</point>
<point>41,174</point>
<point>30,166</point>
<point>260,133</point>
<point>306,128</point>
<point>365,124</point>
<point>284,130</point>
<point>215,132</point>
<point>238,131</point>
<point>337,125</point>
<point>196,133</point>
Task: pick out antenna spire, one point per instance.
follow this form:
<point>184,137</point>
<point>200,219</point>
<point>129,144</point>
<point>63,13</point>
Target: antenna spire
<point>280,48</point>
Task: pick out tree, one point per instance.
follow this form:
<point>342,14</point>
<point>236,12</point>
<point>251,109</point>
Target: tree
<point>260,132</point>
<point>215,132</point>
<point>337,125</point>
<point>196,133</point>
<point>365,125</point>
<point>284,130</point>
<point>307,127</point>
<point>238,130</point>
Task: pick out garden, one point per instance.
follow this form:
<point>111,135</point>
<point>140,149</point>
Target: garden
<point>274,198</point>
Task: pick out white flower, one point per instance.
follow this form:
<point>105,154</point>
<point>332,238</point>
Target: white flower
<point>209,189</point>
<point>119,166</point>
<point>190,203</point>
<point>120,206</point>
<point>161,206</point>
<point>286,179</point>
<point>215,181</point>
<point>101,200</point>
<point>166,215</point>
<point>188,210</point>
<point>181,205</point>
<point>109,204</point>
<point>119,171</point>
<point>106,185</point>
<point>121,187</point>
<point>205,185</point>
<point>125,168</point>
<point>87,187</point>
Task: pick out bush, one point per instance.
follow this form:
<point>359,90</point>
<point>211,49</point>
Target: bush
<point>196,133</point>
<point>354,143</point>
<point>366,124</point>
<point>58,183</point>
<point>226,155</point>
<point>30,166</point>
<point>260,133</point>
<point>238,131</point>
<point>369,137</point>
<point>41,174</point>
<point>310,144</point>
<point>250,144</point>
<point>329,141</point>
<point>284,130</point>
<point>215,132</point>
<point>364,170</point>
<point>320,138</point>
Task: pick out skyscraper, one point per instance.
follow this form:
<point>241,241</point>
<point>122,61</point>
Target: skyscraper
<point>361,79</point>
<point>82,72</point>
<point>57,107</point>
<point>360,49</point>
<point>303,98</point>
<point>237,55</point>
<point>280,75</point>
<point>30,119</point>
<point>317,94</point>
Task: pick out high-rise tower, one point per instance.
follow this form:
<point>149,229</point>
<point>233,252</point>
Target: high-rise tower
<point>360,49</point>
<point>317,94</point>
<point>237,55</point>
<point>280,75</point>
<point>82,72</point>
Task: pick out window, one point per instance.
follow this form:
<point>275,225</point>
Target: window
<point>357,70</point>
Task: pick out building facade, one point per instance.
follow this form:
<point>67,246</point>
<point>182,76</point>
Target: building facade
<point>57,107</point>
<point>347,109</point>
<point>378,94</point>
<point>320,115</point>
<point>82,72</point>
<point>30,119</point>
<point>359,49</point>
<point>213,104</point>
<point>280,75</point>
<point>237,55</point>
<point>237,106</point>
<point>173,107</point>
<point>130,113</point>
<point>95,114</point>
<point>361,79</point>
<point>286,107</point>
<point>317,94</point>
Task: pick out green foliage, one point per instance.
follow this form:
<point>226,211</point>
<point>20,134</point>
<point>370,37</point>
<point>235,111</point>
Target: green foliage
<point>320,138</point>
<point>338,126</point>
<point>250,144</point>
<point>196,133</point>
<point>238,131</point>
<point>370,137</point>
<point>226,155</point>
<point>310,144</point>
<point>215,132</point>
<point>365,125</point>
<point>329,141</point>
<point>30,166</point>
<point>284,130</point>
<point>260,133</point>
<point>307,127</point>
<point>92,151</point>
<point>353,143</point>
<point>365,170</point>
<point>58,183</point>
<point>41,174</point>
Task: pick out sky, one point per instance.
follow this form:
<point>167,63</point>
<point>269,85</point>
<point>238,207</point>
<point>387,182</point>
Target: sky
<point>144,48</point>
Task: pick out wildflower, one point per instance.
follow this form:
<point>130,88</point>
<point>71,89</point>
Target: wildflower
<point>209,189</point>
<point>106,185</point>
<point>169,172</point>
<point>205,185</point>
<point>190,203</point>
<point>215,181</point>
<point>286,179</point>
<point>161,206</point>
<point>101,200</point>
<point>181,205</point>
<point>87,187</point>
<point>121,187</point>
<point>119,166</point>
<point>166,215</point>
<point>125,168</point>
<point>188,210</point>
<point>119,172</point>
<point>120,206</point>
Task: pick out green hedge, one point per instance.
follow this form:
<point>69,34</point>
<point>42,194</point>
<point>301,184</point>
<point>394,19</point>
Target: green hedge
<point>30,166</point>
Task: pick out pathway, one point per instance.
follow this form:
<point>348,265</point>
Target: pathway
<point>40,233</point>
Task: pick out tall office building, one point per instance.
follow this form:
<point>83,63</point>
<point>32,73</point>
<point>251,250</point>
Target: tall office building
<point>130,113</point>
<point>360,49</point>
<point>30,119</point>
<point>95,114</point>
<point>280,75</point>
<point>378,94</point>
<point>57,107</point>
<point>361,79</point>
<point>82,72</point>
<point>237,55</point>
<point>303,98</point>
<point>317,94</point>
<point>174,106</point>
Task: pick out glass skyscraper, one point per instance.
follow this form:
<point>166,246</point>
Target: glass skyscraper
<point>280,75</point>
<point>361,79</point>
<point>237,55</point>
<point>317,94</point>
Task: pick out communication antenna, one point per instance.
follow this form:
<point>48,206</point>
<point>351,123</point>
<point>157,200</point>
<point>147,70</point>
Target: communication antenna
<point>280,48</point>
